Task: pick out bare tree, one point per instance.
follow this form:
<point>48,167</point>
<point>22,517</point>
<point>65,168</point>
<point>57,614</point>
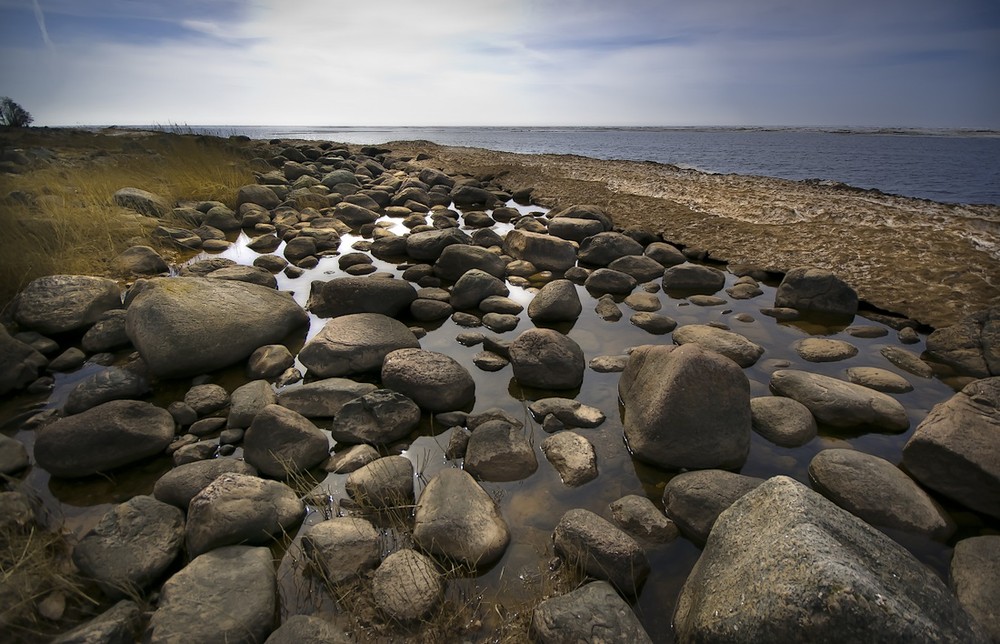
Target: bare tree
<point>13,115</point>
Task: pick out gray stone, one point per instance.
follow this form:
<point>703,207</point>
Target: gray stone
<point>112,383</point>
<point>185,326</point>
<point>342,549</point>
<point>354,215</point>
<point>685,407</point>
<point>61,303</point>
<point>245,274</point>
<point>645,302</point>
<point>181,484</point>
<point>591,543</point>
<point>653,322</point>
<point>975,578</point>
<point>605,247</point>
<point>281,442</point>
<point>424,310</point>
<point>575,229</point>
<point>474,287</point>
<point>489,361</point>
<point>457,520</point>
<point>269,362</point>
<point>227,595</point>
<point>207,398</point>
<point>878,492</point>
<point>573,457</point>
<point>308,629</point>
<point>782,421</point>
<point>546,252</point>
<point>20,364</point>
<point>499,451</point>
<point>569,412</point>
<point>814,290</point>
<point>385,483</point>
<point>693,279</point>
<point>840,404</point>
<point>824,349</point>
<point>103,438</point>
<point>500,322</point>
<point>547,359</point>
<point>247,401</point>
<point>907,361</point>
<point>609,364</point>
<point>664,254</point>
<point>694,500</point>
<point>706,300</point>
<point>347,295</point>
<point>639,517</point>
<point>591,613</point>
<point>378,417</point>
<point>583,211</point>
<point>971,346</point>
<point>606,280</point>
<point>732,345</point>
<point>323,398</point>
<point>239,508</point>
<point>407,586</point>
<point>117,625</point>
<point>640,267</point>
<point>355,344</point>
<point>557,301</point>
<point>142,202</point>
<point>812,572</point>
<point>955,451</point>
<point>500,304</point>
<point>107,333</point>
<point>879,380</point>
<point>353,458</point>
<point>457,259</point>
<point>607,309</point>
<point>261,195</point>
<point>428,245</point>
<point>13,455</point>
<point>131,546</point>
<point>435,381</point>
<point>68,360</point>
<point>140,260</point>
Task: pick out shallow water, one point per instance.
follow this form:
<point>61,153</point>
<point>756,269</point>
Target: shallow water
<point>532,507</point>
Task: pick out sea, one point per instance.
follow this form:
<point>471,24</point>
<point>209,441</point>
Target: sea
<point>951,166</point>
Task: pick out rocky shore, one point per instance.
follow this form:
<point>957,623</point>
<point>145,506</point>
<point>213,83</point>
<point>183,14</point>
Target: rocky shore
<point>394,378</point>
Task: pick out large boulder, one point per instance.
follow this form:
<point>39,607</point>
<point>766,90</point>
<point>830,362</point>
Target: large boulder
<point>112,383</point>
<point>378,417</point>
<point>784,564</point>
<point>407,586</point>
<point>955,451</point>
<point>972,346</point>
<point>475,286</point>
<point>142,201</point>
<point>61,303</point>
<point>500,451</point>
<point>975,578</point>
<point>104,437</point>
<point>591,613</point>
<point>841,404</point>
<point>383,483</point>
<point>281,442</point>
<point>456,259</point>
<point>782,421</point>
<point>732,345</point>
<point>342,548</point>
<point>181,484</point>
<point>601,550</point>
<point>323,398</point>
<point>694,500</point>
<point>818,291</point>
<point>346,295</point>
<point>456,519</point>
<point>878,492</point>
<point>131,546</point>
<point>685,407</point>
<point>20,364</point>
<point>557,301</point>
<point>434,381</point>
<point>428,245</point>
<point>262,196</point>
<point>140,260</point>
<point>546,252</point>
<point>185,326</point>
<point>693,279</point>
<point>547,359</point>
<point>604,248</point>
<point>354,344</point>
<point>227,595</point>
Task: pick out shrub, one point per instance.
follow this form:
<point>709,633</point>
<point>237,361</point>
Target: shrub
<point>13,115</point>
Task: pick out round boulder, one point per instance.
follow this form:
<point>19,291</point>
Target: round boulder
<point>434,381</point>
<point>547,359</point>
<point>61,303</point>
<point>281,442</point>
<point>354,344</point>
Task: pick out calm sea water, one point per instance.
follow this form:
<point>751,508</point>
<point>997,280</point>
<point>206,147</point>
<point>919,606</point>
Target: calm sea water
<point>943,165</point>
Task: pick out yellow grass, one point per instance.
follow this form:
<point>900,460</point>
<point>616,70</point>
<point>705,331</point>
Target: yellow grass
<point>70,223</point>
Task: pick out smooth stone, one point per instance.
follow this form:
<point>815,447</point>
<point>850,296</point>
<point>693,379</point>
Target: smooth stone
<point>653,322</point>
<point>207,398</point>
<point>354,344</point>
<point>783,421</point>
<point>706,300</point>
<point>107,333</point>
<point>500,304</point>
<point>608,310</point>
<point>971,346</point>
<point>475,286</point>
<point>308,629</point>
<point>815,290</point>
<point>247,401</point>
<point>907,361</point>
<point>62,303</point>
<point>867,331</point>
<point>323,398</point>
<point>664,254</point>
<point>499,451</point>
<point>879,380</point>
<point>547,359</point>
<point>608,364</point>
<point>605,280</point>
<point>557,301</point>
<point>645,302</point>
<point>592,613</point>
<point>378,417</point>
<point>975,578</point>
<point>342,549</point>
<point>269,362</point>
<point>546,252</point>
<point>693,279</point>
<point>181,484</point>
<point>457,259</point>
<point>601,550</point>
<point>824,349</point>
<point>118,625</point>
<point>353,458</point>
<point>570,412</point>
<point>840,404</point>
<point>407,586</point>
<point>140,260</point>
<point>694,500</point>
<point>352,295</point>
<point>13,455</point>
<point>573,457</point>
<point>239,273</point>
<point>425,310</point>
<point>489,361</point>
<point>500,322</point>
<point>68,360</point>
<point>640,267</point>
<point>640,517</point>
<point>112,383</point>
<point>281,442</point>
<point>744,291</point>
<point>734,346</point>
<point>434,381</point>
<point>605,247</point>
<point>384,483</point>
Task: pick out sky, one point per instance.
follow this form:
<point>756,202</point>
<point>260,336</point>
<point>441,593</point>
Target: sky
<point>892,63</point>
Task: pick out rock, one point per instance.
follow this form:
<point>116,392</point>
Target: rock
<point>601,550</point>
<point>467,195</point>
<point>907,361</point>
<point>354,215</point>
<point>107,333</point>
<point>323,398</point>
<point>457,520</point>
<point>744,291</point>
<point>783,421</point>
<point>299,248</point>
<point>308,629</point>
<point>971,346</point>
<point>269,362</point>
<point>908,335</point>
<point>706,300</point>
<point>975,578</point>
<point>247,401</point>
<point>354,344</point>
<point>653,323</point>
<point>812,572</point>
<point>607,309</point>
<point>347,295</point>
<point>546,252</point>
<point>457,259</point>
<point>458,443</point>
<point>378,417</point>
<point>685,407</point>
<point>13,455</point>
<point>227,595</point>
<point>103,438</point>
<point>500,304</point>
<point>604,248</point>
<point>342,549</point>
<point>117,625</point>
<point>879,380</point>
<point>428,245</point>
<point>68,360</point>
<point>569,412</point>
<point>385,483</point>
<point>955,451</point>
<point>489,361</point>
<point>694,500</point>
<point>575,229</point>
<point>111,383</point>
<point>260,195</point>
<point>557,301</point>
<point>407,586</point>
<point>206,399</point>
<point>639,517</point>
<point>591,613</point>
<point>61,303</point>
<point>246,274</point>
<point>573,457</point>
<point>181,484</point>
<point>876,491</point>
<point>547,359</point>
<point>644,302</point>
<point>185,326</point>
<point>840,404</point>
<point>732,345</point>
<point>281,442</point>
<point>693,278</point>
<point>605,280</point>
<point>434,381</point>
<point>818,291</point>
<point>142,201</point>
<point>238,508</point>
<point>424,310</point>
<point>583,211</point>
<point>131,546</point>
<point>474,287</point>
<point>353,458</point>
<point>140,260</point>
<point>20,364</point>
<point>609,364</point>
<point>640,267</point>
<point>664,254</point>
<point>824,349</point>
<point>500,322</point>
<point>500,451</point>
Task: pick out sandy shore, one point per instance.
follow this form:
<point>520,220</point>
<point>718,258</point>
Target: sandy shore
<point>928,261</point>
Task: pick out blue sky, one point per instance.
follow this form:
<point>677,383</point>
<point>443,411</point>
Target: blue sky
<point>918,63</point>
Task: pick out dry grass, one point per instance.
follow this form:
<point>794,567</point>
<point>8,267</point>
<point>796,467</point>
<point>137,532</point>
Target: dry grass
<point>66,220</point>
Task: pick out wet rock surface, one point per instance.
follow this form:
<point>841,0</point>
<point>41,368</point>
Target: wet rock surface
<point>594,612</point>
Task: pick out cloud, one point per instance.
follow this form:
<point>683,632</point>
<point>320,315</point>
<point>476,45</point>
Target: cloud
<point>40,17</point>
